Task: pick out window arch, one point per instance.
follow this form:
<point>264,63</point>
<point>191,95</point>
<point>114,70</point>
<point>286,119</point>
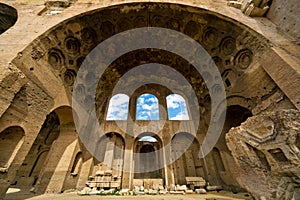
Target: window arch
<point>177,109</point>
<point>147,139</point>
<point>147,107</point>
<point>118,107</point>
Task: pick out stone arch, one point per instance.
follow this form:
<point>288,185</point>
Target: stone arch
<point>38,164</point>
<point>203,32</point>
<point>53,148</point>
<point>156,136</point>
<point>73,176</point>
<point>62,58</point>
<point>216,168</point>
<point>8,17</point>
<point>220,160</point>
<point>109,154</point>
<point>11,140</point>
<point>239,101</point>
<point>236,114</point>
<point>148,156</point>
<point>38,154</point>
<point>65,113</point>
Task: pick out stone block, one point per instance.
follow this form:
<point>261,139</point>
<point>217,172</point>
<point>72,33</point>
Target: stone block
<point>163,191</point>
<point>214,188</point>
<point>177,192</point>
<point>124,192</point>
<point>138,182</point>
<point>189,192</point>
<point>152,192</point>
<point>181,188</point>
<point>57,3</point>
<point>85,191</point>
<point>99,173</point>
<point>200,191</point>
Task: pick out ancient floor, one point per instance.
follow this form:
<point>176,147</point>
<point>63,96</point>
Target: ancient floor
<point>16,194</point>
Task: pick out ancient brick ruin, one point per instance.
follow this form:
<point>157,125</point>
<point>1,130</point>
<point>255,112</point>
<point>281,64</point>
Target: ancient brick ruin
<point>46,44</point>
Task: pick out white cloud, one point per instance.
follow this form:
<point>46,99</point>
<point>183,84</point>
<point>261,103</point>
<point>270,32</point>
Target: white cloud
<point>118,107</point>
<point>148,139</point>
<point>181,116</point>
<point>143,117</point>
<point>152,99</point>
<point>147,107</point>
<point>141,101</point>
<point>175,100</point>
<point>152,108</point>
<point>177,109</point>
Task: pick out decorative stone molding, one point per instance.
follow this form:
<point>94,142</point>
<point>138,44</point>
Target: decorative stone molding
<point>57,3</point>
<point>266,150</point>
<point>56,6</point>
<point>252,8</point>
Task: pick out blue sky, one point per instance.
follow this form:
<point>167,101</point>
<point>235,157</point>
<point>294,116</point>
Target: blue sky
<point>177,109</point>
<point>147,107</point>
<point>118,107</point>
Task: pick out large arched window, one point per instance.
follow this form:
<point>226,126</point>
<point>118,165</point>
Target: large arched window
<point>118,107</point>
<point>147,107</point>
<point>177,109</point>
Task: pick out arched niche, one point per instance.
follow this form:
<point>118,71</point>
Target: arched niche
<point>109,154</point>
<point>235,115</point>
<point>186,163</point>
<point>8,17</point>
<point>11,140</point>
<point>35,160</point>
<point>219,161</point>
<point>148,157</point>
<point>77,164</point>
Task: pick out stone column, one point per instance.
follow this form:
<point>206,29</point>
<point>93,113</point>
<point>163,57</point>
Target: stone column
<point>128,163</point>
<point>167,159</point>
<point>118,161</point>
<point>191,170</point>
<point>163,109</point>
<point>84,173</point>
<point>109,153</point>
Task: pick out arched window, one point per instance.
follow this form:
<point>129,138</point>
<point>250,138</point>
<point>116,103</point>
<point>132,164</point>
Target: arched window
<point>147,107</point>
<point>177,109</point>
<point>118,107</point>
<point>147,139</point>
